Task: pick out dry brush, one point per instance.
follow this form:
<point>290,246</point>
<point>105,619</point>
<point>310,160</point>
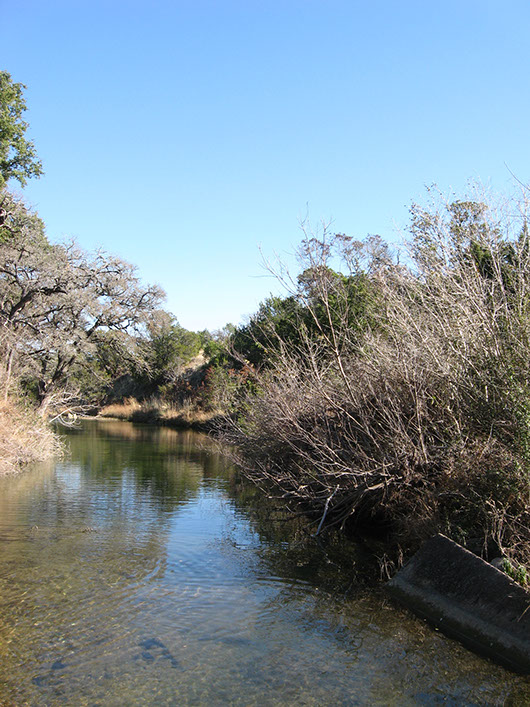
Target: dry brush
<point>418,420</point>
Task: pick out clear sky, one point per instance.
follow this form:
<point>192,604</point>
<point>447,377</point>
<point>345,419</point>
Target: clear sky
<point>184,135</point>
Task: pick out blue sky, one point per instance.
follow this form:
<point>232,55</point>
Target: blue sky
<point>185,135</point>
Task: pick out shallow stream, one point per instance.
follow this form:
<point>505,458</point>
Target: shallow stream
<point>140,571</point>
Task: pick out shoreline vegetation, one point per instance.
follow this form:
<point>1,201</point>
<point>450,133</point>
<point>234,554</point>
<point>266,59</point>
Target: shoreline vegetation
<point>25,439</point>
<point>156,412</point>
<point>386,393</point>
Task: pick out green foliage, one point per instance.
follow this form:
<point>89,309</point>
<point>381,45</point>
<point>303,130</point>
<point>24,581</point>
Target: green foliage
<point>517,572</point>
<point>166,349</point>
<point>337,304</point>
<point>18,159</point>
<point>327,308</point>
<point>217,347</point>
<point>278,321</point>
<point>171,347</point>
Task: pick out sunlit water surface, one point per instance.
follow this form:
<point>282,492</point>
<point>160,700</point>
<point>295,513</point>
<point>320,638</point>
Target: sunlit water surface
<point>139,571</point>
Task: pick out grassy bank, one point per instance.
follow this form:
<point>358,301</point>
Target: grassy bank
<point>157,411</point>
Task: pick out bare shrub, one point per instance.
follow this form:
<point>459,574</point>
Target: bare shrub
<point>412,413</point>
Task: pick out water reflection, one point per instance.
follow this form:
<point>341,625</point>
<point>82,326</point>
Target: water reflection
<point>141,570</point>
<point>166,465</point>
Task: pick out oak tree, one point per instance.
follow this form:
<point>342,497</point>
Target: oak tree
<point>57,299</point>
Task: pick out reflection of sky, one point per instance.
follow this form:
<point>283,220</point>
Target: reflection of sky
<point>99,503</point>
<point>68,477</point>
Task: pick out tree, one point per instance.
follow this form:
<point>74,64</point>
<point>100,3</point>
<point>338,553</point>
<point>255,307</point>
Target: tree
<point>327,308</point>
<point>167,348</point>
<point>16,220</point>
<point>276,323</point>
<point>18,158</point>
<point>57,301</point>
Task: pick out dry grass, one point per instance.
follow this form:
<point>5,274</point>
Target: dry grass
<point>189,415</point>
<point>121,411</point>
<point>157,411</point>
<point>24,439</point>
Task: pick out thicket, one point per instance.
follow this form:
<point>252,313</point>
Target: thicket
<point>390,390</point>
<point>24,437</point>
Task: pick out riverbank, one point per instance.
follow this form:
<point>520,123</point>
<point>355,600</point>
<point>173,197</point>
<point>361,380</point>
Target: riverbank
<point>156,412</point>
<point>25,438</point>
<point>387,538</point>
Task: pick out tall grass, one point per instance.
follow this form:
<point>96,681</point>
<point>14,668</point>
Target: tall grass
<point>156,410</point>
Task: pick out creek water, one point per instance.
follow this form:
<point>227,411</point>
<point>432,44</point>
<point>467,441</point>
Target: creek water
<point>139,570</point>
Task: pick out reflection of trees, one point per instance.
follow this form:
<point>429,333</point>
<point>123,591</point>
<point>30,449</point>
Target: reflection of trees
<point>187,444</point>
<point>87,542</point>
<point>167,465</point>
<point>103,517</point>
<point>23,484</point>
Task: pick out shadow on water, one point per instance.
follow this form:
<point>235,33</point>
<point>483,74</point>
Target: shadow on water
<point>289,548</point>
<point>143,570</point>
